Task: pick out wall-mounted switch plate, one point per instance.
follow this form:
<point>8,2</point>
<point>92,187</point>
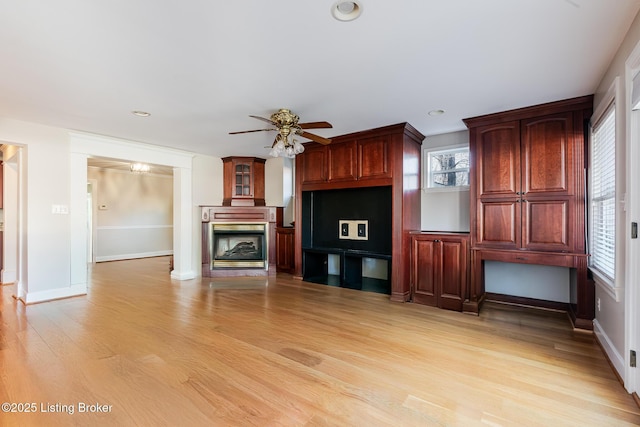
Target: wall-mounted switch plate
<point>353,229</point>
<point>60,209</point>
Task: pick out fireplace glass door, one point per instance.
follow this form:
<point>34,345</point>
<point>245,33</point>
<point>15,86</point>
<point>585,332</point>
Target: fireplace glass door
<point>238,245</point>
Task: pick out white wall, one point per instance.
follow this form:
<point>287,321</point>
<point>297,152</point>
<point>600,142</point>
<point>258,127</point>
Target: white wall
<point>444,210</point>
<point>46,174</point>
<point>207,191</point>
<point>51,172</point>
<point>279,182</point>
<point>134,218</point>
<point>617,319</point>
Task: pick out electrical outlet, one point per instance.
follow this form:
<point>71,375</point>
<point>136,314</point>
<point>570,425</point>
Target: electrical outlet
<point>598,303</point>
<point>362,230</point>
<point>343,229</point>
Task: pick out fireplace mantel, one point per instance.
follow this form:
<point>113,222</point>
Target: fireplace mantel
<point>250,215</point>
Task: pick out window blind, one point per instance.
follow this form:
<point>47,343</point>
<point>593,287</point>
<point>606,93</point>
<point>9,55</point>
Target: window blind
<point>603,192</point>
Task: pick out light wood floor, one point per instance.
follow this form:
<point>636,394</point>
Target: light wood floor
<point>244,352</point>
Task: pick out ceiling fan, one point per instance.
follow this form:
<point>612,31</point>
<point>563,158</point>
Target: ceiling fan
<point>286,124</point>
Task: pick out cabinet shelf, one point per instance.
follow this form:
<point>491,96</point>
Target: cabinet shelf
<point>316,269</point>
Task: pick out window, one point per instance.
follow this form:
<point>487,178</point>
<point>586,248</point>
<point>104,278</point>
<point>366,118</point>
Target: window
<point>447,168</point>
<point>603,195</point>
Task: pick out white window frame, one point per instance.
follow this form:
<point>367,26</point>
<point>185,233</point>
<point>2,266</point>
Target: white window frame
<point>609,284</point>
<point>428,180</point>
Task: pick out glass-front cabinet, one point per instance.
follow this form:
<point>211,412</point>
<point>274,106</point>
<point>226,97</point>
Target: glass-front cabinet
<point>243,181</point>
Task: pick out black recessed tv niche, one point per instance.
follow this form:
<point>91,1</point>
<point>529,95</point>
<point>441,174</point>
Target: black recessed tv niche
<point>322,211</point>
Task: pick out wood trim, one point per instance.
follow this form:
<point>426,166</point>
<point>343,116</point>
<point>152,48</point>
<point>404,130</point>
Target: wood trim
<point>528,302</point>
<point>572,104</point>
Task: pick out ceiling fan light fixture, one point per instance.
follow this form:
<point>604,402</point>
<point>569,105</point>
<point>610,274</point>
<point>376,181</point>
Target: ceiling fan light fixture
<point>285,148</point>
<point>346,10</point>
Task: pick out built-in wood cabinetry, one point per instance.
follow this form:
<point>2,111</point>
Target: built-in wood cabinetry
<point>353,159</point>
<point>285,254</point>
<point>243,181</point>
<point>439,269</point>
<point>526,175</point>
<point>527,188</point>
<point>382,157</point>
<point>1,188</point>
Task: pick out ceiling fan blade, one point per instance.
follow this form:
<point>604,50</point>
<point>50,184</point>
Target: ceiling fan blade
<point>316,138</point>
<point>315,125</point>
<point>249,131</point>
<point>263,119</point>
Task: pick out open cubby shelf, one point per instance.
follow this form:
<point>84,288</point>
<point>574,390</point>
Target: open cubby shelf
<point>316,269</point>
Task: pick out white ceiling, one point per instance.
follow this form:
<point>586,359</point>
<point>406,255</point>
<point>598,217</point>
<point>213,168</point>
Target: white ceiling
<point>200,67</point>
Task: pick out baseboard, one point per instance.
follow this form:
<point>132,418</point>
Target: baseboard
<point>528,302</point>
<point>183,275</point>
<point>615,359</point>
<point>636,398</point>
<point>53,294</point>
<point>122,257</point>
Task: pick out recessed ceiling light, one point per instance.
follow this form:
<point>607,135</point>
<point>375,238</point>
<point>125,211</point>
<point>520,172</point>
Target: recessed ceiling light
<point>346,10</point>
<point>436,112</point>
<point>140,113</point>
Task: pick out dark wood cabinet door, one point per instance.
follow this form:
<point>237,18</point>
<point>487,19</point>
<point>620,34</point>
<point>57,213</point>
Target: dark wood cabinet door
<point>373,158</point>
<point>285,241</point>
<point>426,270</point>
<point>547,155</point>
<point>1,194</point>
<point>454,274</point>
<point>313,164</point>
<point>498,223</point>
<point>342,161</point>
<point>495,185</point>
<point>546,224</point>
<point>497,151</point>
<point>440,269</point>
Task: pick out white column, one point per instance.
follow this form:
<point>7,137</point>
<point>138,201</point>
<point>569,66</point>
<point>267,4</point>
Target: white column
<point>79,218</point>
<point>182,225</point>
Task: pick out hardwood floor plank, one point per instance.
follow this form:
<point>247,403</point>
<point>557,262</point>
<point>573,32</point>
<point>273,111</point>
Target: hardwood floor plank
<point>278,351</point>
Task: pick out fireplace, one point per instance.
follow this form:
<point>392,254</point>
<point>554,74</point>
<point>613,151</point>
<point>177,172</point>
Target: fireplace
<point>238,245</point>
<point>239,241</point>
